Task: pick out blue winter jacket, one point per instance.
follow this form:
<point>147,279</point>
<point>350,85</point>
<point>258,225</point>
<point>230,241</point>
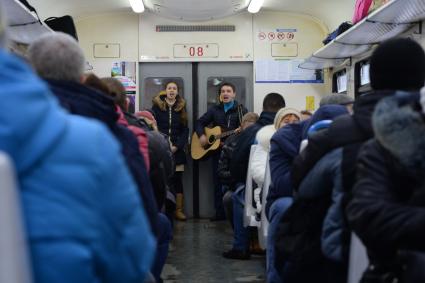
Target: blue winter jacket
<point>84,220</point>
<point>284,146</point>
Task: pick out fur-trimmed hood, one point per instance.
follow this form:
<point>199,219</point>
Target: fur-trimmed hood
<point>159,101</point>
<point>401,130</point>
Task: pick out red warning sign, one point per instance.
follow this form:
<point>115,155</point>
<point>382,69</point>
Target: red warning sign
<point>290,35</point>
<point>271,35</point>
<point>280,36</point>
<point>262,36</point>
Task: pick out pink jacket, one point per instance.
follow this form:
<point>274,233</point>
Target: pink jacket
<point>361,9</point>
<point>139,133</point>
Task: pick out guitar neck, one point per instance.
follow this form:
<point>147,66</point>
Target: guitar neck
<point>225,134</point>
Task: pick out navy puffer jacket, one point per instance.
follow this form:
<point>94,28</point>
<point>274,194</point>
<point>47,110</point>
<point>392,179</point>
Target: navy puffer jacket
<point>173,123</point>
<point>81,100</point>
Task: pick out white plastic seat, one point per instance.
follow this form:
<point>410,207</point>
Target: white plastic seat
<point>14,261</point>
<point>264,226</point>
<point>358,260</point>
<point>249,209</point>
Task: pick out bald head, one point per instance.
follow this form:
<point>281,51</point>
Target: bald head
<point>57,56</point>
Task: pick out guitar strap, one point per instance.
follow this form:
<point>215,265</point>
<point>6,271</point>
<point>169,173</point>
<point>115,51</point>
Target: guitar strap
<point>240,114</point>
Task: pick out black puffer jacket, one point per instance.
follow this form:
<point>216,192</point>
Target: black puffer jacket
<point>240,158</point>
<point>216,116</point>
<point>173,123</point>
<point>226,155</point>
<point>387,210</point>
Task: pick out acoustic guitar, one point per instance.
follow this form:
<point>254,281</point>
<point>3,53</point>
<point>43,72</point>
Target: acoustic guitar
<point>213,137</point>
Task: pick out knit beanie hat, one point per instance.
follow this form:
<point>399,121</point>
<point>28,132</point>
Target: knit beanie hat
<point>397,64</point>
<point>282,113</point>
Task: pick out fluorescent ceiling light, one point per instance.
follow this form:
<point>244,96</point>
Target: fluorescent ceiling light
<point>255,6</point>
<point>137,6</point>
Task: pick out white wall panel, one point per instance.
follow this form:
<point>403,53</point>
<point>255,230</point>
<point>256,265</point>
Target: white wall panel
<point>160,46</point>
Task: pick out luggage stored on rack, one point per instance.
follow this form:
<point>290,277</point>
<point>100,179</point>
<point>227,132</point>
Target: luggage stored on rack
<point>341,29</point>
<point>64,24</point>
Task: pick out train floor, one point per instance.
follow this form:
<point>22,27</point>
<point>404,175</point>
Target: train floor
<point>195,256</point>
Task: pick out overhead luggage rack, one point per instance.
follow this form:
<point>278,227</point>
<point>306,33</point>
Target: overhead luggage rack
<point>24,27</point>
<point>392,19</point>
<point>313,63</point>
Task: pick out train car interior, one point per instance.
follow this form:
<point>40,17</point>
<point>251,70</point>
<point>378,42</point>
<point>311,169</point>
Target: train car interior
<point>304,51</point>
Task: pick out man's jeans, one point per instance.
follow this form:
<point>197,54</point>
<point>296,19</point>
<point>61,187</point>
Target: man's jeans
<point>241,233</point>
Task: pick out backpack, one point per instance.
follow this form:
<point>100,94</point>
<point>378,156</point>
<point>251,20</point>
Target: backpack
<point>64,24</point>
<point>340,30</point>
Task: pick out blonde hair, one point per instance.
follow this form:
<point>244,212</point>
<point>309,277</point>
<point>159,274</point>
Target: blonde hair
<point>250,117</point>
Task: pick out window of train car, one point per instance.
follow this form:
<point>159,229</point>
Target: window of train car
<point>339,82</point>
<point>153,86</point>
<point>213,84</point>
<point>361,77</point>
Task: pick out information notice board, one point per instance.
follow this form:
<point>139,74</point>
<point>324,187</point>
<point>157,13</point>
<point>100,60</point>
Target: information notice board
<point>285,71</point>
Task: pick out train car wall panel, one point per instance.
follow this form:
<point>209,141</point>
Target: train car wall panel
<point>302,35</point>
<point>192,46</point>
<point>118,28</point>
<point>106,50</point>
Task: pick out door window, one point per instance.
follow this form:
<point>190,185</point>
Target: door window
<point>214,83</point>
<point>153,86</point>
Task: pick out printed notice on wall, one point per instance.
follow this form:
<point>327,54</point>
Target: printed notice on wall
<point>309,103</point>
<point>285,71</point>
<point>125,72</point>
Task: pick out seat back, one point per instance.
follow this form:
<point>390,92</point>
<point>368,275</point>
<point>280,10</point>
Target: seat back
<point>264,226</point>
<point>14,261</point>
<point>249,209</point>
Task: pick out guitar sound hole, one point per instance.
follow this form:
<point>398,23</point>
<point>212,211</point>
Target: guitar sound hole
<point>211,139</point>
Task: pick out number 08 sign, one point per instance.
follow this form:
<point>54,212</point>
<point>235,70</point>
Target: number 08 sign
<point>202,50</point>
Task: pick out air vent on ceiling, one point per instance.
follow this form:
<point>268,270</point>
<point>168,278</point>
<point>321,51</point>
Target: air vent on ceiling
<point>195,28</point>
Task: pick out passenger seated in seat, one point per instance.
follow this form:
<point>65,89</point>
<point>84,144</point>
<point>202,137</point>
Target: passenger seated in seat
<point>161,160</point>
<point>387,208</point>
<point>259,157</point>
<point>284,146</point>
<point>84,219</point>
<point>326,170</point>
<point>238,169</point>
<point>59,60</point>
<point>223,169</point>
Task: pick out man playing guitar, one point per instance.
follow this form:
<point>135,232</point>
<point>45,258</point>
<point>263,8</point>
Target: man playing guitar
<point>227,115</point>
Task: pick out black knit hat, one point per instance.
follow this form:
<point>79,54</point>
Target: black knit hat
<point>398,64</point>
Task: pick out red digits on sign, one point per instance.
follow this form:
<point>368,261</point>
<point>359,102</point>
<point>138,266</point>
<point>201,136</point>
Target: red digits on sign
<point>200,51</point>
<point>192,51</point>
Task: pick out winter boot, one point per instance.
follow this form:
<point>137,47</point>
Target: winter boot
<point>179,208</point>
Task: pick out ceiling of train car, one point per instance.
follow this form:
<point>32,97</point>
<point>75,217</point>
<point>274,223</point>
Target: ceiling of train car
<point>332,12</point>
<point>201,10</point>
